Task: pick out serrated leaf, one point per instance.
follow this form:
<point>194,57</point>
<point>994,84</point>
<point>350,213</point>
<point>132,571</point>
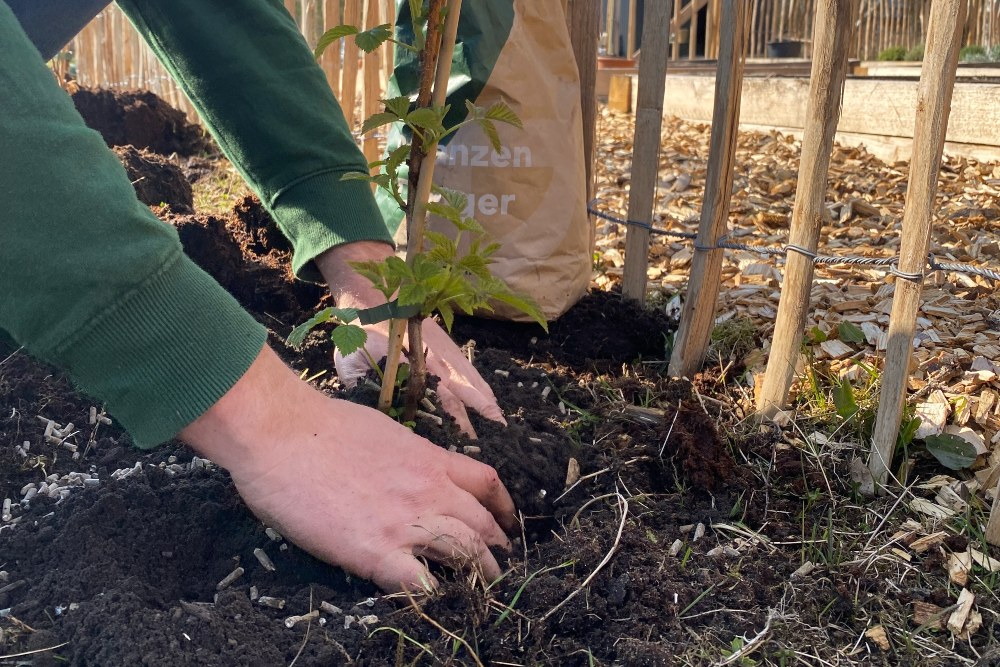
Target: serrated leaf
<point>398,105</point>
<point>502,113</point>
<point>348,338</point>
<point>470,225</point>
<point>298,335</point>
<point>376,121</point>
<point>491,133</point>
<point>843,399</point>
<point>447,316</point>
<point>446,211</point>
<point>849,332</point>
<point>524,304</point>
<point>442,245</point>
<point>369,40</point>
<point>424,118</point>
<point>476,265</point>
<point>332,35</point>
<point>396,158</point>
<point>412,294</point>
<point>357,176</point>
<point>454,198</point>
<point>951,451</point>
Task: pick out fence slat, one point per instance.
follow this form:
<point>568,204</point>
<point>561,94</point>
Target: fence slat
<point>831,41</point>
<point>349,80</point>
<point>646,144</point>
<point>937,81</point>
<point>698,314</point>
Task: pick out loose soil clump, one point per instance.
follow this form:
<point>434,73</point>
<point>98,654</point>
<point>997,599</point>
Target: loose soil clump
<point>157,181</point>
<point>140,118</point>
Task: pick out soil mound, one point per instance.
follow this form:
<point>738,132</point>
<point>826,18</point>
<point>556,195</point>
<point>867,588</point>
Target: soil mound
<point>156,180</point>
<point>142,119</point>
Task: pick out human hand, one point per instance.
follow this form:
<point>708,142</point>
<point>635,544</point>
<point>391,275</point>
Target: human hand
<point>460,387</point>
<point>348,484</point>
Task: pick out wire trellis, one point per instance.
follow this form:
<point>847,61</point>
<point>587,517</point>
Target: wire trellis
<point>886,263</point>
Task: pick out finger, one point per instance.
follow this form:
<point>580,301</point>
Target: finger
<point>401,570</point>
<point>454,407</point>
<point>459,363</point>
<point>484,484</point>
<point>464,507</point>
<point>450,542</point>
<point>484,404</point>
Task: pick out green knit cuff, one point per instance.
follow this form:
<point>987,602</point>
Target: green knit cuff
<point>322,212</point>
<point>165,353</point>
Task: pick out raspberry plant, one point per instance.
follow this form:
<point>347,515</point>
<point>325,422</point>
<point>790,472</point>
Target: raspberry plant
<point>452,275</point>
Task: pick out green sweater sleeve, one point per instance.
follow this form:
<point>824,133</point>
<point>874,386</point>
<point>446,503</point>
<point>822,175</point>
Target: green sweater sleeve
<point>90,280</point>
<point>251,76</point>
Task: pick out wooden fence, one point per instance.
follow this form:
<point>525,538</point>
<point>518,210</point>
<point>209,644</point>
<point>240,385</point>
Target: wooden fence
<point>835,21</point>
<point>879,25</point>
<point>109,53</point>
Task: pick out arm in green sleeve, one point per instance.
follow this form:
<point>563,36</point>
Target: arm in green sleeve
<point>253,79</point>
<point>90,280</point>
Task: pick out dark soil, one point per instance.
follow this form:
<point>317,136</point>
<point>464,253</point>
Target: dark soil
<point>157,181</point>
<point>634,564</point>
<point>142,119</point>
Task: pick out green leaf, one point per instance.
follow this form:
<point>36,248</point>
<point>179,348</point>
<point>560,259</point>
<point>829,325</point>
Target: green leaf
<point>396,158</point>
<point>849,332</point>
<point>470,225</point>
<point>425,118</point>
<point>454,198</point>
<point>953,452</point>
<point>442,246</point>
<point>357,176</point>
<point>412,294</point>
<point>491,133</point>
<point>816,336</point>
<point>369,40</point>
<point>476,265</point>
<point>298,335</point>
<point>446,211</point>
<point>398,105</point>
<point>332,35</point>
<point>908,431</point>
<point>502,113</point>
<point>524,304</point>
<point>376,121</point>
<point>447,316</point>
<point>349,338</point>
<point>843,399</point>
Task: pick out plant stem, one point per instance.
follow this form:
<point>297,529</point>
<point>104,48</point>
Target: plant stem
<point>421,181</point>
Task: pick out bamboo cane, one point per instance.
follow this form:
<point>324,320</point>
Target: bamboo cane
<point>937,82</point>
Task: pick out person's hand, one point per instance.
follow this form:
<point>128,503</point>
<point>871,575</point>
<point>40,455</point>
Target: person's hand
<point>460,385</point>
<point>348,484</point>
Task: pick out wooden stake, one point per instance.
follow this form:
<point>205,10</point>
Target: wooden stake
<point>646,145</point>
<point>831,41</point>
<point>698,314</point>
<point>584,21</point>
<point>937,81</point>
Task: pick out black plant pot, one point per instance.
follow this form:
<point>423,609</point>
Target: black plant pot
<point>784,49</point>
